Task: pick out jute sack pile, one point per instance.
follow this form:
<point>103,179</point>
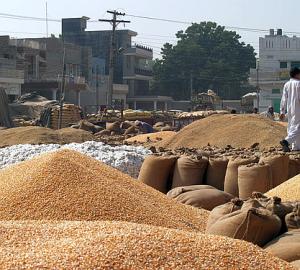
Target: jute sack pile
<point>216,171</point>
<point>254,177</point>
<point>231,178</point>
<point>189,172</point>
<point>286,246</point>
<point>280,168</point>
<point>155,171</point>
<point>222,210</point>
<point>292,219</point>
<point>201,197</point>
<point>256,225</point>
<point>294,166</point>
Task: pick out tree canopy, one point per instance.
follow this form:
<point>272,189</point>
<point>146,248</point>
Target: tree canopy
<point>206,56</point>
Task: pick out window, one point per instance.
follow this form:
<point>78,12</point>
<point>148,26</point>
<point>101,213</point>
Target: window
<point>270,56</point>
<point>275,91</point>
<point>283,64</point>
<point>295,64</point>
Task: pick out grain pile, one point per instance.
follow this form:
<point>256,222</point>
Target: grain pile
<point>288,191</point>
<point>223,130</point>
<point>41,135</point>
<point>153,137</point>
<point>67,185</point>
<point>113,245</point>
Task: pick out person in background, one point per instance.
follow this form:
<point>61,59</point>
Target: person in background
<point>290,103</point>
<point>144,127</point>
<point>269,113</point>
<point>255,111</point>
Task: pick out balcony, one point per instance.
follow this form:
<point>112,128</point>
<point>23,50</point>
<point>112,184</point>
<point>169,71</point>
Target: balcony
<point>139,51</point>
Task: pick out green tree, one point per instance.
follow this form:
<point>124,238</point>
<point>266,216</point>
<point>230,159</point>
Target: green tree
<point>213,57</point>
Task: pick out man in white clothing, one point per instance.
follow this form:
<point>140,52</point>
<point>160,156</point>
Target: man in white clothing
<point>290,103</point>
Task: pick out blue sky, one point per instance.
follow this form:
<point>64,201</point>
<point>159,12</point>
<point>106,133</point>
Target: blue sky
<point>262,14</point>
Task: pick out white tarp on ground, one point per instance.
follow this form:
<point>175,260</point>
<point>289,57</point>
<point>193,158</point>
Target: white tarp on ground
<point>127,159</point>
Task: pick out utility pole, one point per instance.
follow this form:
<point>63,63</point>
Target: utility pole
<point>47,31</point>
<point>112,55</point>
<point>257,83</point>
<point>62,89</point>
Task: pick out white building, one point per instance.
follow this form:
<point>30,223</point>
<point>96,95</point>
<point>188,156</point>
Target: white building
<point>278,53</point>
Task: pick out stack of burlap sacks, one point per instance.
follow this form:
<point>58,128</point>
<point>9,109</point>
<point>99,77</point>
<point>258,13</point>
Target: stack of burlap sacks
<point>70,115</point>
<point>232,189</point>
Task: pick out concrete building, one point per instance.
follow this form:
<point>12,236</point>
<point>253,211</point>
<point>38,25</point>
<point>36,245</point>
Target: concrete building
<point>11,68</point>
<point>277,54</point>
<point>43,67</point>
<point>133,65</point>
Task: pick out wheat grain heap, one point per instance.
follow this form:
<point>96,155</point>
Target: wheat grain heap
<point>67,185</point>
<point>41,135</point>
<point>223,130</point>
<point>119,245</point>
<point>153,137</point>
<point>287,191</point>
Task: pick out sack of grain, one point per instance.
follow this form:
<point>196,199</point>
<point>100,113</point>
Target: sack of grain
<point>254,177</point>
<point>279,208</point>
<point>159,125</point>
<point>206,198</point>
<point>294,166</point>
<point>231,177</point>
<point>216,171</point>
<point>113,126</point>
<point>87,126</point>
<point>292,220</point>
<point>251,203</point>
<point>258,226</point>
<point>175,192</point>
<point>156,170</point>
<point>222,210</point>
<point>166,128</point>
<point>126,125</point>
<point>279,166</point>
<point>103,133</point>
<point>130,130</point>
<point>189,172</point>
<point>286,246</point>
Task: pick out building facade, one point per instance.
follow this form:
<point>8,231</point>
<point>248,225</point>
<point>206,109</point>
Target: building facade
<point>278,53</point>
<point>133,64</point>
<point>11,68</point>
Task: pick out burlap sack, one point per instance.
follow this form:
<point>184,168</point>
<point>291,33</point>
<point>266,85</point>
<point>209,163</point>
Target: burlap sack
<point>251,203</point>
<point>279,208</point>
<point>126,125</point>
<point>87,126</point>
<point>254,177</point>
<point>130,130</point>
<point>216,171</point>
<point>156,170</point>
<point>296,264</point>
<point>189,172</point>
<point>286,246</point>
<point>222,210</point>
<point>258,226</point>
<point>279,166</point>
<point>175,192</point>
<point>114,126</point>
<point>231,177</point>
<point>292,220</point>
<point>294,166</point>
<point>204,198</point>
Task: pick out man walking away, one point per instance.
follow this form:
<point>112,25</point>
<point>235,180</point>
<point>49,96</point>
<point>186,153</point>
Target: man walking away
<point>290,103</point>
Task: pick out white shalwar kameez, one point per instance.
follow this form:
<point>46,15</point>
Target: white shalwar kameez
<point>290,103</point>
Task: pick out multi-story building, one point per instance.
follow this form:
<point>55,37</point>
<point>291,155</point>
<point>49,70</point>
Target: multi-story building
<point>43,67</point>
<point>11,68</point>
<point>133,65</point>
<point>277,54</point>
